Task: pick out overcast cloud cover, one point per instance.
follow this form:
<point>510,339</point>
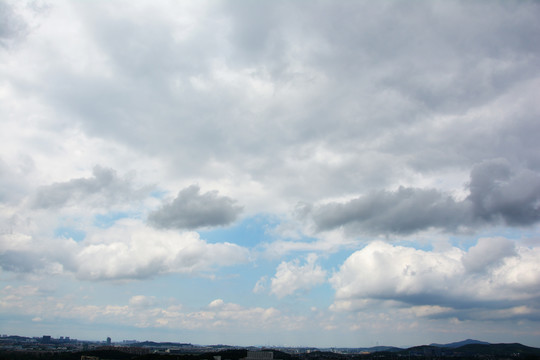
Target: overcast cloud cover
<point>327,173</point>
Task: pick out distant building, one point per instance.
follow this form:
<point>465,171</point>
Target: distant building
<point>46,339</point>
<point>108,341</point>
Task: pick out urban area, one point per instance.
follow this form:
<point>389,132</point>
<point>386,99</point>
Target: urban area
<point>64,347</point>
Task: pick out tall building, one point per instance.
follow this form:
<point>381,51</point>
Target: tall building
<point>108,341</point>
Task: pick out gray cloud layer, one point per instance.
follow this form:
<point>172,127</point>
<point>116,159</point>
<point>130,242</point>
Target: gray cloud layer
<point>12,25</point>
<point>498,194</point>
<point>192,210</point>
<point>105,187</point>
<point>331,78</point>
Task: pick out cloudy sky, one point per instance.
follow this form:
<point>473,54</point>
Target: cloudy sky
<point>323,173</point>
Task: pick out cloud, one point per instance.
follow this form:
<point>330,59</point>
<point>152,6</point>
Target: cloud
<point>129,250</point>
<point>455,280</point>
<point>142,301</point>
<point>291,276</point>
<point>14,182</point>
<point>498,194</point>
<point>316,242</point>
<point>12,25</point>
<point>382,271</point>
<point>260,285</point>
<point>404,211</point>
<point>218,303</point>
<point>488,253</point>
<point>104,188</point>
<point>385,122</point>
<point>350,107</point>
<point>126,250</point>
<point>150,314</point>
<point>191,210</point>
<point>23,253</point>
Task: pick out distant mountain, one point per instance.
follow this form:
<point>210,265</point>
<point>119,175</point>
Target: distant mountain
<point>460,343</point>
<point>15,338</point>
<point>499,349</point>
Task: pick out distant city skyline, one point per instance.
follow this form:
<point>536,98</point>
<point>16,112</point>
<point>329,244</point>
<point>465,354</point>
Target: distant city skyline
<point>48,339</point>
<point>15,347</point>
<point>270,173</point>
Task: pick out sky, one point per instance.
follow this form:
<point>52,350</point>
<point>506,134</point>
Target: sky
<point>272,173</point>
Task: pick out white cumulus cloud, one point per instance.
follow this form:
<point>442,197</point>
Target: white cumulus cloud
<point>292,276</point>
<point>132,250</point>
<point>456,280</point>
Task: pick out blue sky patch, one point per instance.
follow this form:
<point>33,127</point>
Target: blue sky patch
<point>69,233</point>
<point>251,231</point>
<point>105,221</point>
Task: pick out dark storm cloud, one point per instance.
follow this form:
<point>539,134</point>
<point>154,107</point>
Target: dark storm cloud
<point>192,210</point>
<point>498,194</point>
<point>105,187</point>
<point>404,211</point>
